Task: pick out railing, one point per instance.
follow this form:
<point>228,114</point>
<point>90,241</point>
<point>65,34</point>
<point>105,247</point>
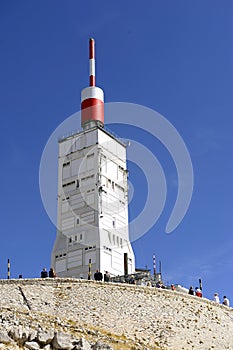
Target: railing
<point>69,134</point>
<point>77,131</point>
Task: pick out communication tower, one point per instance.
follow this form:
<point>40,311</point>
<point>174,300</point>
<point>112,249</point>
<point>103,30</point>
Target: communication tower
<point>92,218</point>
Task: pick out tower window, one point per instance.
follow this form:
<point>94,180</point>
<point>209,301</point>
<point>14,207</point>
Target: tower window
<point>121,243</point>
<point>90,155</point>
<point>114,222</point>
<point>107,248</point>
<point>68,184</point>
<point>109,237</point>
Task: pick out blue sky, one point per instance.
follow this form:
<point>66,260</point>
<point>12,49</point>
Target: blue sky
<point>174,57</point>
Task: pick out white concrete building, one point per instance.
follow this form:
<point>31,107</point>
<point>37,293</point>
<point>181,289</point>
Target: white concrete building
<point>92,197</point>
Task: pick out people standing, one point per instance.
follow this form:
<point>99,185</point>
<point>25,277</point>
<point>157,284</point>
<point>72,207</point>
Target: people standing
<point>198,292</point>
<point>52,273</point>
<point>160,284</point>
<point>98,276</point>
<point>44,273</point>
<point>226,301</point>
<point>216,298</point>
<point>191,290</point>
<point>106,276</point>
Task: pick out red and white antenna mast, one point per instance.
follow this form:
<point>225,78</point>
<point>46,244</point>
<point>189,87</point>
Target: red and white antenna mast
<point>92,62</point>
<point>92,97</point>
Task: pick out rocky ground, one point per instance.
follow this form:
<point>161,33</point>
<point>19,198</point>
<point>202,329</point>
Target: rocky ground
<point>80,314</point>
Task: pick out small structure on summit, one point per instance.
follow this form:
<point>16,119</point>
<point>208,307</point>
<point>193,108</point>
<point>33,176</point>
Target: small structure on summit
<point>92,219</point>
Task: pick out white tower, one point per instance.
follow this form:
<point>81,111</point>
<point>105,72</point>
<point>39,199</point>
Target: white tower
<point>92,195</point>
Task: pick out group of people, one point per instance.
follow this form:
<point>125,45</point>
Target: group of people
<point>98,276</point>
<point>198,293</point>
<point>224,302</point>
<point>44,273</point>
<point>160,284</point>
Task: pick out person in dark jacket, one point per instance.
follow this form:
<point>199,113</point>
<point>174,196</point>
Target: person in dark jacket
<point>191,290</point>
<point>44,273</point>
<point>98,276</point>
<point>52,273</point>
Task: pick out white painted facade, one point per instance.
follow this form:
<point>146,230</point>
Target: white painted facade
<point>92,206</point>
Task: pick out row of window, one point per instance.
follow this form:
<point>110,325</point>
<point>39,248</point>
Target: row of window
<point>76,238</point>
<point>66,164</point>
<point>111,184</point>
<point>89,179</point>
<point>90,248</point>
<point>60,255</point>
<point>68,184</point>
<point>107,248</point>
<point>110,166</point>
<point>76,183</point>
<point>115,240</point>
<point>86,248</point>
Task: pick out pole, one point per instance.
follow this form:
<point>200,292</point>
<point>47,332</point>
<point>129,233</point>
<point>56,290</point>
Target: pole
<point>8,269</point>
<point>92,62</point>
<point>89,270</point>
<point>200,283</point>
<point>154,265</point>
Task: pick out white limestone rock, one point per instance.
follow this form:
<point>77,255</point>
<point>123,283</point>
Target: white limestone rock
<point>62,341</point>
<point>32,335</point>
<point>47,347</point>
<point>4,338</point>
<point>82,344</point>
<point>32,345</point>
<point>45,337</point>
<point>19,334</point>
